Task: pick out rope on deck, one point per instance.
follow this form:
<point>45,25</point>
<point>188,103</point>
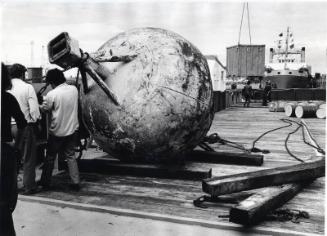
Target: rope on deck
<point>215,138</point>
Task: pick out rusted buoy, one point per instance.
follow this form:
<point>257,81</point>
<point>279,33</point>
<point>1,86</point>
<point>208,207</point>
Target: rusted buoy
<point>164,93</point>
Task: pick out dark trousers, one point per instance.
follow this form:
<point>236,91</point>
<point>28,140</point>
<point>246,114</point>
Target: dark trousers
<point>65,146</point>
<point>266,99</point>
<point>8,189</point>
<point>29,156</point>
<point>247,101</point>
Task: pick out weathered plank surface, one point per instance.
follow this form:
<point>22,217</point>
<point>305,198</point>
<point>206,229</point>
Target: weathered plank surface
<point>225,158</point>
<point>175,197</point>
<point>256,207</point>
<point>281,175</point>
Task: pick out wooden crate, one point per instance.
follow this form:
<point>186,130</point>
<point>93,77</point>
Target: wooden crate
<point>245,60</point>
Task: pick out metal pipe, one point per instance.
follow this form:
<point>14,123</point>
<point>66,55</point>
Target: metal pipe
<point>101,83</point>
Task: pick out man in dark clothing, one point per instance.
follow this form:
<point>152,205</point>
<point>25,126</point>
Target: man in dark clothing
<point>266,93</point>
<point>247,93</point>
<point>8,182</point>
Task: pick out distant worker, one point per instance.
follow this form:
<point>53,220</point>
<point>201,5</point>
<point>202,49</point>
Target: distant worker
<point>247,93</point>
<point>234,92</point>
<point>267,94</point>
<point>62,102</point>
<point>26,97</point>
<point>274,85</point>
<point>9,153</point>
<point>313,80</point>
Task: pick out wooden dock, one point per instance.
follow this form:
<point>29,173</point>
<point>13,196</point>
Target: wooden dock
<point>172,197</point>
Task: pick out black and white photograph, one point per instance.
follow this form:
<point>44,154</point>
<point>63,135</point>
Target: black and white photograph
<point>168,117</point>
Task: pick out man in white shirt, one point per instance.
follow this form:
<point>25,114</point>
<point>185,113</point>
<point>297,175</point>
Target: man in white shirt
<point>62,102</point>
<point>26,97</point>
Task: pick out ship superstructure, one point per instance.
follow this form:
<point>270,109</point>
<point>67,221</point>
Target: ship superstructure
<point>287,67</point>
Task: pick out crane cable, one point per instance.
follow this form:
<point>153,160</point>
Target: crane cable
<point>247,7</point>
<point>249,26</point>
<point>239,36</point>
<point>239,32</point>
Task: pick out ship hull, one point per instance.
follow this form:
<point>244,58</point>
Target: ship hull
<point>288,81</point>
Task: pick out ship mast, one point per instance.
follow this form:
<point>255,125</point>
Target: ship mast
<point>32,53</point>
<point>286,49</point>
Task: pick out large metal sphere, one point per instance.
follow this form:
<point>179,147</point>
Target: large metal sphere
<point>165,96</point>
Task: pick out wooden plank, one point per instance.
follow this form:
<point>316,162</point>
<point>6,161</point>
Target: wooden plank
<point>105,190</point>
<point>179,201</point>
<point>112,166</point>
<point>281,175</point>
<point>225,157</point>
<point>254,209</point>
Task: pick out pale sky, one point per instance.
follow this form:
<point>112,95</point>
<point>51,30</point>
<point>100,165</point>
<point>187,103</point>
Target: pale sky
<point>209,25</point>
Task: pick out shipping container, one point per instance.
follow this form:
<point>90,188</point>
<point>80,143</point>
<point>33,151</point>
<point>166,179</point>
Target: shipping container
<point>245,60</point>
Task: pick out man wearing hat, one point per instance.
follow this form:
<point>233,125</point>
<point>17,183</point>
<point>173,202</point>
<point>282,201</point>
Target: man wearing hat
<point>26,97</point>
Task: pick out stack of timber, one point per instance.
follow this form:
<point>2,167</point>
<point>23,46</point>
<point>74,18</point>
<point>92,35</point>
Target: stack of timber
<point>253,209</point>
<point>278,186</point>
<point>186,169</point>
<point>258,179</point>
